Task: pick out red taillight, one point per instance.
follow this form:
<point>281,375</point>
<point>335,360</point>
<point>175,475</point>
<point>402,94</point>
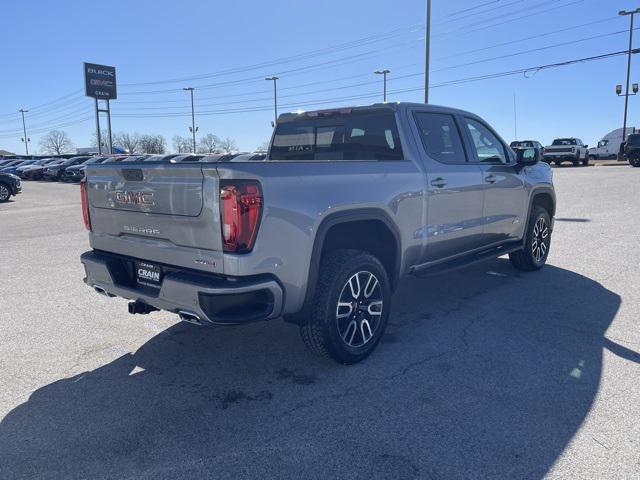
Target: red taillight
<point>85,205</point>
<point>240,211</point>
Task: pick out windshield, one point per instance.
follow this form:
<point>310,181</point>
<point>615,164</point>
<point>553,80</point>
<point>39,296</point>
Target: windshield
<point>564,141</point>
<point>522,145</point>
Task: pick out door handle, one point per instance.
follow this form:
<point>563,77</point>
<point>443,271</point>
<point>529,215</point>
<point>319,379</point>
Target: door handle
<point>439,182</point>
<point>491,178</point>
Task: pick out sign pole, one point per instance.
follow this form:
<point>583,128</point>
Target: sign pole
<point>98,128</point>
<point>109,126</point>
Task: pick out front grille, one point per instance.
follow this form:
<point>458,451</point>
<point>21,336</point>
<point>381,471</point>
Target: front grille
<point>559,150</point>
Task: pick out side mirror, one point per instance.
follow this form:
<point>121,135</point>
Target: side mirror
<point>586,146</point>
<point>527,156</point>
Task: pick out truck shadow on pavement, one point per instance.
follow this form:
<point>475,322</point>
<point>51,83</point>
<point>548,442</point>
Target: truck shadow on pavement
<point>483,373</point>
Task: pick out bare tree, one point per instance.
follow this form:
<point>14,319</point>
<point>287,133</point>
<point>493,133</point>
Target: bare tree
<point>209,143</point>
<point>127,141</point>
<point>263,147</point>
<point>153,144</point>
<point>104,139</point>
<point>182,144</point>
<point>228,145</point>
<point>56,142</point>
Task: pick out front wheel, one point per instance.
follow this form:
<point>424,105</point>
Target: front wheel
<point>585,161</point>
<point>350,307</point>
<point>537,242</point>
<point>634,161</point>
<point>5,193</point>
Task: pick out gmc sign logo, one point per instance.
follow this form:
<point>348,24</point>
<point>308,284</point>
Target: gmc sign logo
<point>134,198</point>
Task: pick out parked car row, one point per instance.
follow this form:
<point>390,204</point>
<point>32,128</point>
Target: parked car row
<point>71,168</point>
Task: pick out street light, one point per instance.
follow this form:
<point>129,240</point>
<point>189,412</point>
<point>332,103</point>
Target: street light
<point>193,129</point>
<point>274,79</point>
<point>383,72</point>
<point>25,139</point>
<point>631,13</point>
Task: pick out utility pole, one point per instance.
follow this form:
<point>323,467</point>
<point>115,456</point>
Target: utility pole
<point>515,117</point>
<point>274,79</point>
<point>383,72</point>
<point>26,139</point>
<point>427,44</point>
<point>626,94</point>
<point>193,127</point>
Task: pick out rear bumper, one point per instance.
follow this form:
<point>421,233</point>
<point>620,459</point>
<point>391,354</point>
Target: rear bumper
<point>214,299</point>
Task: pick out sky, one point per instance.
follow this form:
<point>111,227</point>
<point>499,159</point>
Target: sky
<point>325,54</point>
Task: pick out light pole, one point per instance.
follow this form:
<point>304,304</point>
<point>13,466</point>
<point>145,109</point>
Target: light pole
<point>384,73</point>
<point>25,139</point>
<point>626,94</point>
<point>193,127</point>
<point>427,48</point>
<point>275,97</point>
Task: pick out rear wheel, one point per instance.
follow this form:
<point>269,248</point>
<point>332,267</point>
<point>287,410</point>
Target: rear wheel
<point>350,307</point>
<point>537,242</point>
<point>5,193</point>
<point>635,161</point>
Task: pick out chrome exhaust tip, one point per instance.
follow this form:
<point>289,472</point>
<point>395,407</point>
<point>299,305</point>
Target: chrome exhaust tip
<point>102,291</point>
<point>190,317</point>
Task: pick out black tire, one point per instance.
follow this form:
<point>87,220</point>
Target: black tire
<point>576,161</point>
<point>592,157</point>
<point>558,163</point>
<point>323,332</point>
<point>585,161</point>
<point>5,192</point>
<point>534,256</point>
<point>634,161</point>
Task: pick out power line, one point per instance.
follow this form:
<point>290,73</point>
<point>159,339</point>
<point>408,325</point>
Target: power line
<point>483,11</point>
<point>539,49</point>
<point>467,30</point>
<point>533,37</point>
<point>314,53</point>
<point>375,94</point>
<point>534,69</point>
<point>475,7</point>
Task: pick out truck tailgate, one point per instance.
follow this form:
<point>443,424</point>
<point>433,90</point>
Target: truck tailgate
<point>167,213</point>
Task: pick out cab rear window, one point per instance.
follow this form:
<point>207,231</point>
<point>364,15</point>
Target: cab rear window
<point>352,136</point>
<point>633,140</point>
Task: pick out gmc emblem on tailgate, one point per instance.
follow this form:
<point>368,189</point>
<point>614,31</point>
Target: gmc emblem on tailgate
<point>134,198</point>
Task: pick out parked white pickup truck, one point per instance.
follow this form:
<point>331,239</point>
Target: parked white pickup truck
<point>567,150</point>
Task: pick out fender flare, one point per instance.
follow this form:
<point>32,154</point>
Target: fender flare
<point>536,191</point>
<point>349,216</point>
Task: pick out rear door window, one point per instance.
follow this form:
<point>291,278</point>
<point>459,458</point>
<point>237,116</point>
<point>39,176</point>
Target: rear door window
<point>359,135</point>
<point>441,137</point>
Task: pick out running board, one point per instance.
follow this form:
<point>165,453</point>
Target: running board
<point>427,270</point>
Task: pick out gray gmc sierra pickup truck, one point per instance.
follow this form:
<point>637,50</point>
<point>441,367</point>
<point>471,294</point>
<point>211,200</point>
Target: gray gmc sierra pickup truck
<point>348,201</point>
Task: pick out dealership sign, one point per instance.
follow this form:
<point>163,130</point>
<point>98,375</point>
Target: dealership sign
<point>100,81</point>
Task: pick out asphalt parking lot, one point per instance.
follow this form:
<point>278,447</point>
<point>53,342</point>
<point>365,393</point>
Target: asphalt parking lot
<point>483,373</point>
